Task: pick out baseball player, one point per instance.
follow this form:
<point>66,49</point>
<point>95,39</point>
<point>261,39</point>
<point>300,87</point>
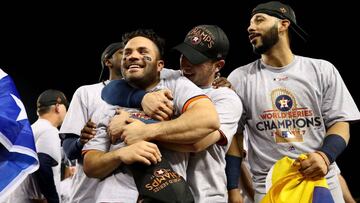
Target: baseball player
<point>293,104</point>
<point>44,184</point>
<point>141,68</point>
<point>200,63</point>
<point>76,130</point>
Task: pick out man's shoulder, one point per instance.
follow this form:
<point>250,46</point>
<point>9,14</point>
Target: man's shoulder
<point>247,68</point>
<point>86,89</point>
<point>318,65</point>
<point>223,93</point>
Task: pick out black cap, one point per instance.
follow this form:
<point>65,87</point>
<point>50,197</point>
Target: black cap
<point>204,42</point>
<point>282,11</point>
<point>110,50</point>
<point>50,97</point>
<point>173,187</point>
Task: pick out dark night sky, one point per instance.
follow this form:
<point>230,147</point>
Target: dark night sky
<point>59,46</point>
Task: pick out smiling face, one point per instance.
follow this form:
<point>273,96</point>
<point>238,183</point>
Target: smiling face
<point>141,65</point>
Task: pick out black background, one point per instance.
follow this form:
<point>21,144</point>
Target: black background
<point>58,45</point>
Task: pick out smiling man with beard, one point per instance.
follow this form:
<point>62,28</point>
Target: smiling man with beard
<point>142,63</point>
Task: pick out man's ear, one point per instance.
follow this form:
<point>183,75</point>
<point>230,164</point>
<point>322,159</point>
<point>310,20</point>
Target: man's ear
<point>219,65</point>
<point>57,108</point>
<point>160,65</point>
<point>107,63</point>
<point>284,24</point>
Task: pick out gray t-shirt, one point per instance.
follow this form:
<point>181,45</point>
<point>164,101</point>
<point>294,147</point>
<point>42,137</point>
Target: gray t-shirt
<point>120,185</point>
<point>83,106</point>
<point>206,169</point>
<point>288,110</point>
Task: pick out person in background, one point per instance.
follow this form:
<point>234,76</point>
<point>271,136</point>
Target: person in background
<point>44,184</point>
<point>78,127</point>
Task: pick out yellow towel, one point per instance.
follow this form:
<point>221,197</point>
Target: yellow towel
<point>290,186</point>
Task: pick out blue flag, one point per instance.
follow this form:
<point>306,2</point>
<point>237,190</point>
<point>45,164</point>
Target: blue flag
<point>18,156</point>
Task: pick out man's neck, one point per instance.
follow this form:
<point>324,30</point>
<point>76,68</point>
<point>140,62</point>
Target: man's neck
<point>278,56</point>
<point>51,118</point>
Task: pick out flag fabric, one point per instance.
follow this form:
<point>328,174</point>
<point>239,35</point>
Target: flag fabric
<point>18,156</point>
<point>285,183</point>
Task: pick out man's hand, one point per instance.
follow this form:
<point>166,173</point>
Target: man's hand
<point>143,152</point>
<point>314,166</point>
<point>158,105</point>
<point>88,132</point>
<point>235,196</point>
<point>135,131</point>
<point>221,82</point>
<point>116,124</point>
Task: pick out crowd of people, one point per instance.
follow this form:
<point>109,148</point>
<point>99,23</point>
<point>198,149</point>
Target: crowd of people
<point>152,134</point>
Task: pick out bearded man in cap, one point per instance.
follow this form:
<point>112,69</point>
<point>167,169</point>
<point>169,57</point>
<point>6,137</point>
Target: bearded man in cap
<point>293,104</point>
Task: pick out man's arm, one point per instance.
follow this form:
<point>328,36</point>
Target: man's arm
<point>73,144</point>
<point>233,167</point>
<point>335,142</point>
<point>199,120</point>
<point>99,164</point>
<point>157,104</point>
<point>196,147</point>
<point>45,177</point>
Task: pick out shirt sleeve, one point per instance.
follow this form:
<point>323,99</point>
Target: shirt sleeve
<point>77,114</point>
<point>338,104</point>
<point>229,108</point>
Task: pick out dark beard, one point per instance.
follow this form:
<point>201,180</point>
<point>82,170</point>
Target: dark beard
<point>270,38</point>
<point>143,83</point>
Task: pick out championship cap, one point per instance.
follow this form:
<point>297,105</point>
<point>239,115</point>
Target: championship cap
<point>204,42</point>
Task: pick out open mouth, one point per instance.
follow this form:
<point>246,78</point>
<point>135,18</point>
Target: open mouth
<point>253,36</point>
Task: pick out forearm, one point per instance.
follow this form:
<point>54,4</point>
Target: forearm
<point>340,128</point>
<point>236,146</point>
<point>335,142</point>
<point>98,164</point>
<point>45,178</point>
<point>196,147</point>
<point>247,180</point>
<point>233,164</point>
<point>195,123</point>
<point>72,148</point>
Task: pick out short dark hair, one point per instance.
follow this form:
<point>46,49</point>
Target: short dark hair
<point>147,33</point>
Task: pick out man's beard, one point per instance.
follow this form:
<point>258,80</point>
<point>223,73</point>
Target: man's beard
<point>143,82</point>
<point>270,38</point>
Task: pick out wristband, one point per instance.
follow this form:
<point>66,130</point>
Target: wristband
<point>333,146</point>
<point>232,170</point>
